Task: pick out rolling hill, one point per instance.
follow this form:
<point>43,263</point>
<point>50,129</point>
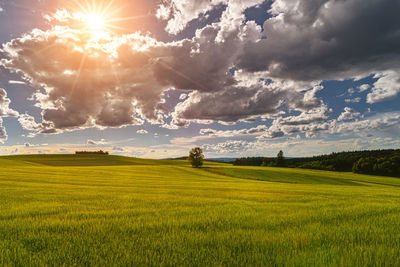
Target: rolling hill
<point>110,210</point>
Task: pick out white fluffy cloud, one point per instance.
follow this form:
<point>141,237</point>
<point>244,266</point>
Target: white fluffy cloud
<point>179,13</point>
<point>226,147</point>
<point>369,125</point>
<point>5,111</point>
<point>364,87</point>
<point>312,123</point>
<point>348,114</point>
<point>309,122</point>
<point>285,126</point>
<point>386,88</point>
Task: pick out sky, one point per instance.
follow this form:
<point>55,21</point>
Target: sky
<point>153,79</point>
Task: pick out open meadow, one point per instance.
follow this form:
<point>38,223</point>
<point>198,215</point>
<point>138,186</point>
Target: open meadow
<point>116,211</point>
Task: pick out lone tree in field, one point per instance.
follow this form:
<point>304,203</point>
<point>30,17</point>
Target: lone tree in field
<point>280,160</point>
<point>196,157</point>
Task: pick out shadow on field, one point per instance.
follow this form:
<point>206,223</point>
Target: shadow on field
<point>292,176</point>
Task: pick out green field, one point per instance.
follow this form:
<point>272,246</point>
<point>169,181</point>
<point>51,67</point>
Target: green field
<point>117,211</point>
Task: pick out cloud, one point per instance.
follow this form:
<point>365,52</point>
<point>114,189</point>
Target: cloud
<point>252,131</point>
<point>386,87</point>
<point>5,111</point>
<point>16,82</point>
<point>378,123</point>
<point>3,132</point>
<point>353,100</point>
<point>309,122</point>
<point>319,146</point>
<point>348,114</point>
<point>122,82</point>
<point>364,87</point>
<point>226,147</point>
<point>29,123</point>
<point>316,115</point>
<point>142,131</point>
<point>179,13</point>
<point>328,39</point>
<point>97,143</point>
<point>183,96</point>
<point>254,98</point>
<point>235,69</point>
<point>295,147</point>
<point>79,88</point>
<point>83,85</point>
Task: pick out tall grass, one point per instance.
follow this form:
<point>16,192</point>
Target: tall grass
<point>166,213</point>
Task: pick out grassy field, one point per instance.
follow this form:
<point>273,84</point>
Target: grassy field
<point>116,211</point>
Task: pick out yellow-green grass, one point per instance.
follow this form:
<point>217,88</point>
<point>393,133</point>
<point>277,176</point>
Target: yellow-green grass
<point>154,213</point>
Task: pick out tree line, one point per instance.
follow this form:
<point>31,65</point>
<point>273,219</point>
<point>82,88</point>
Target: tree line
<point>378,162</point>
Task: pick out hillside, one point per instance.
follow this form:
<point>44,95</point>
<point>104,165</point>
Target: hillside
<point>110,210</point>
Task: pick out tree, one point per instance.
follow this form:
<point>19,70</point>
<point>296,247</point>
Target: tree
<point>280,160</point>
<point>196,157</point>
<point>365,165</point>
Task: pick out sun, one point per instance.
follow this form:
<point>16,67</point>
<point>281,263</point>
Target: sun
<point>96,17</point>
<point>95,22</point>
<point>99,17</point>
<point>92,23</point>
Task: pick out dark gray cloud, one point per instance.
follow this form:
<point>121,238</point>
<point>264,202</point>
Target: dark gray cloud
<point>326,39</point>
<point>236,103</point>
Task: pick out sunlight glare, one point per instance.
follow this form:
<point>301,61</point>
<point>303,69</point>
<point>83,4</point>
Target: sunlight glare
<point>95,22</point>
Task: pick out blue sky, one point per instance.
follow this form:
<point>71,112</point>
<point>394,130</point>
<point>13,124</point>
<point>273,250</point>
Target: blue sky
<point>236,77</point>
